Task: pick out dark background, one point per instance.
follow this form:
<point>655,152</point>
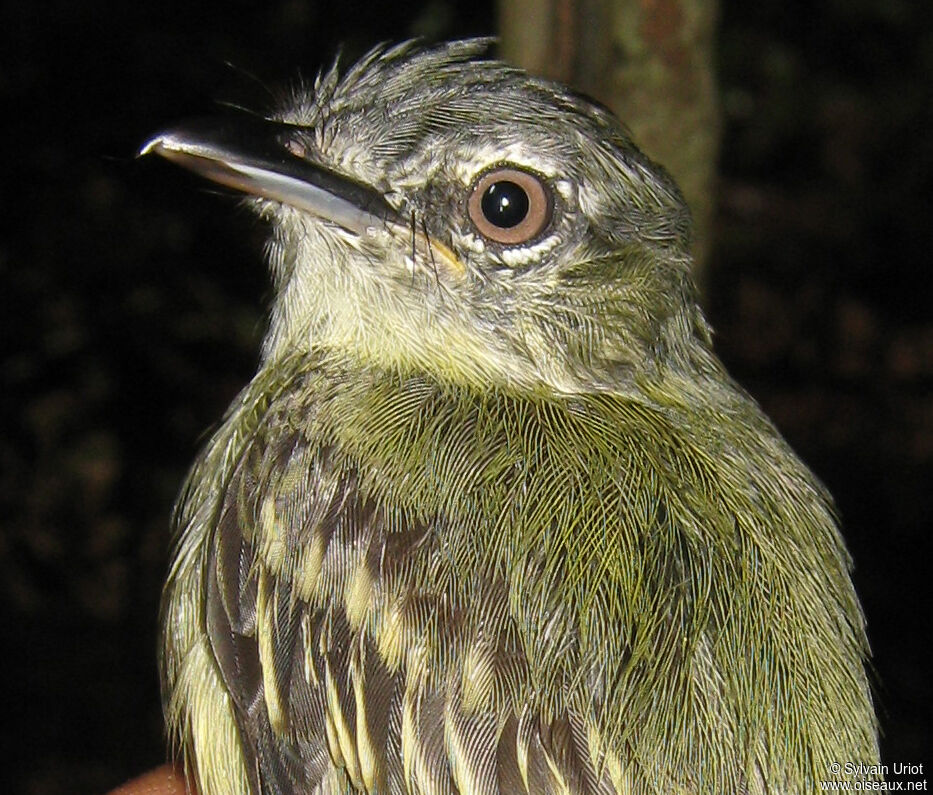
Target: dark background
<point>133,299</point>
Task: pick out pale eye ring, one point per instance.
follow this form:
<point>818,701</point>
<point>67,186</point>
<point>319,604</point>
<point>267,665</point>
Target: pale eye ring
<point>510,206</point>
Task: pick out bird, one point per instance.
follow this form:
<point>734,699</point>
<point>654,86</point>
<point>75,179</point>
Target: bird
<point>492,516</point>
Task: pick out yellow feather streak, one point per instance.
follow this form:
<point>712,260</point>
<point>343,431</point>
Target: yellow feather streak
<point>370,770</point>
<point>345,749</point>
<point>265,635</point>
<point>212,728</point>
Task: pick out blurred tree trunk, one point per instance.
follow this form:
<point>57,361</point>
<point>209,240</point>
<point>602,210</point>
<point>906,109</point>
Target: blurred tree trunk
<point>651,61</point>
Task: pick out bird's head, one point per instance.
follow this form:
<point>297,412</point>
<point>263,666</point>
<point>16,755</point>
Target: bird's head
<point>440,213</point>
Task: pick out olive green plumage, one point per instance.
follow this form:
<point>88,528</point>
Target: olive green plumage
<point>491,517</point>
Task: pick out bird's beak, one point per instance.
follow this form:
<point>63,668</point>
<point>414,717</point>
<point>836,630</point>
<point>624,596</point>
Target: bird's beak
<point>259,157</point>
<point>263,158</point>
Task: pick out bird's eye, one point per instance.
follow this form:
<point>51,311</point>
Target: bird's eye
<point>510,206</point>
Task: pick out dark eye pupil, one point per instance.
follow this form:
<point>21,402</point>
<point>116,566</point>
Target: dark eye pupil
<point>505,204</point>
